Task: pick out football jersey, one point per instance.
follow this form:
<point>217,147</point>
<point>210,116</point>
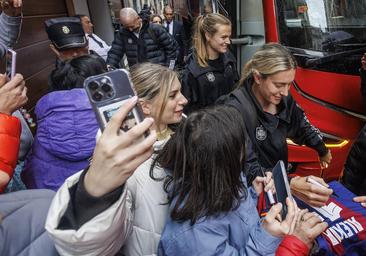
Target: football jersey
<point>346,234</point>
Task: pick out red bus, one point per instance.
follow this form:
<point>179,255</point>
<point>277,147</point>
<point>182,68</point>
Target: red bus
<point>328,39</point>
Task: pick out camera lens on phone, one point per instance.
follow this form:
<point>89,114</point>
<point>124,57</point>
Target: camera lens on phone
<point>97,96</point>
<point>93,86</point>
<point>106,87</point>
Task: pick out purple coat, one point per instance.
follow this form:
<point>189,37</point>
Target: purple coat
<point>65,139</point>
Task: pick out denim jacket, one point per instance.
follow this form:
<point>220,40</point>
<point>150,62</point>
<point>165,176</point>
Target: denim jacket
<point>237,232</point>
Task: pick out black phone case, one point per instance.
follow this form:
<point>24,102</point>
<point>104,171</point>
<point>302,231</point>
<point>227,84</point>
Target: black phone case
<point>122,90</point>
<point>282,186</point>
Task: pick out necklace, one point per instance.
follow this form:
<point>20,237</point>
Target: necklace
<point>164,134</point>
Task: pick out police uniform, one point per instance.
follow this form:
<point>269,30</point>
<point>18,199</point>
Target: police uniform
<point>268,132</point>
<point>66,33</point>
<point>202,86</point>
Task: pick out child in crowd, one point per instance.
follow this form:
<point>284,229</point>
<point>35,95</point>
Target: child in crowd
<point>212,208</point>
<point>66,125</point>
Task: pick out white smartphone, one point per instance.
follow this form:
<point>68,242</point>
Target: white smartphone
<point>10,65</point>
<point>107,92</point>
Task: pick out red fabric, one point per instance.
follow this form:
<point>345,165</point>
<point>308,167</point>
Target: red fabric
<point>261,203</point>
<point>292,246</point>
<point>10,130</point>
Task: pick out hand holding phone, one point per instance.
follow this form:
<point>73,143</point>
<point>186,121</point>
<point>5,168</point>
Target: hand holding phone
<point>13,94</point>
<point>107,92</point>
<point>282,186</point>
<point>107,173</point>
<point>281,227</point>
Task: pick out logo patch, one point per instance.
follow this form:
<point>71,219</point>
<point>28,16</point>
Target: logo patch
<point>129,41</point>
<point>210,77</point>
<point>260,133</point>
<point>65,29</point>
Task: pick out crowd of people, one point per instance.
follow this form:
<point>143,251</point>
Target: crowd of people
<point>172,184</point>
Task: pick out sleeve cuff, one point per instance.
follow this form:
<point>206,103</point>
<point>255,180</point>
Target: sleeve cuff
<point>294,245</point>
<point>84,199</point>
<point>321,149</point>
<point>83,207</point>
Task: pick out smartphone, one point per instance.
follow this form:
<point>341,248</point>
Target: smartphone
<point>282,186</point>
<point>171,64</point>
<point>107,92</point>
<point>10,59</point>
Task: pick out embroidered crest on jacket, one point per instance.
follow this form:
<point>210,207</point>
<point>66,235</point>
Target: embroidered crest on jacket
<point>260,133</point>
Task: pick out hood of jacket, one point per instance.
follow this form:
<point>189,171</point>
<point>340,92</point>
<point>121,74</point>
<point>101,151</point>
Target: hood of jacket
<point>66,124</point>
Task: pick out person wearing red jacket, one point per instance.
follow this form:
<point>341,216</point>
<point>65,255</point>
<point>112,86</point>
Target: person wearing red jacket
<point>12,96</point>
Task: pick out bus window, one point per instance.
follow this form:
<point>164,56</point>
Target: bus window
<point>324,28</point>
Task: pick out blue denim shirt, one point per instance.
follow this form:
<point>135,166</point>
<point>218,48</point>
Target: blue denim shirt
<point>237,232</point>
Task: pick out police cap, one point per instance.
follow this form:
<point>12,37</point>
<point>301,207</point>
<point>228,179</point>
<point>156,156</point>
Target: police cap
<point>66,33</point>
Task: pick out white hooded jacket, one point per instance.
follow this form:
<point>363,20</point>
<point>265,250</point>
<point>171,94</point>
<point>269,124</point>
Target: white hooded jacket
<point>135,221</point>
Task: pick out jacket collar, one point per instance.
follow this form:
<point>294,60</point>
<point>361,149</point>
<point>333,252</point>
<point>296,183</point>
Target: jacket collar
<point>269,121</point>
<point>197,70</point>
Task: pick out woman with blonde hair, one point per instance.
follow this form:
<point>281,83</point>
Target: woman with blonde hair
<point>271,116</point>
<point>99,211</point>
<point>211,68</point>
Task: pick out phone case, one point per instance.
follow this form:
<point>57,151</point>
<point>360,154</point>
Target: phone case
<point>10,65</point>
<point>107,92</point>
<point>282,186</point>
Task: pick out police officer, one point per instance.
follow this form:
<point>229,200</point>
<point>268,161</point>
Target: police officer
<point>67,37</point>
<point>210,71</point>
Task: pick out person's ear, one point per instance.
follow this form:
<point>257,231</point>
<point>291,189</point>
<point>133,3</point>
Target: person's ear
<point>257,77</point>
<point>207,36</point>
<point>146,107</point>
<point>53,48</point>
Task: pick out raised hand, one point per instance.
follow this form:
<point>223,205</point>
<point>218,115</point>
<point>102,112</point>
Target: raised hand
<point>117,153</point>
<point>13,93</point>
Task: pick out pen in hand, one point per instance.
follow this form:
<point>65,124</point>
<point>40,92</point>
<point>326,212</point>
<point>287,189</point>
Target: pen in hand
<point>313,181</point>
<point>269,192</point>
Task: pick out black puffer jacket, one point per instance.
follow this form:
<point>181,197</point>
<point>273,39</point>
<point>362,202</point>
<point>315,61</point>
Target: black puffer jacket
<point>354,175</point>
<point>145,48</point>
<point>268,132</point>
<point>202,86</point>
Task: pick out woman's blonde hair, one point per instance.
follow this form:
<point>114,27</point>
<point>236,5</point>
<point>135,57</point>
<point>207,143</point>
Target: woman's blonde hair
<point>153,81</point>
<point>206,24</point>
<point>268,60</point>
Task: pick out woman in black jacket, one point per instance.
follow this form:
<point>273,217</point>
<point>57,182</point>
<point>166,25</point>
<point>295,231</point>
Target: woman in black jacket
<point>354,175</point>
<point>211,68</point>
<point>272,115</point>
